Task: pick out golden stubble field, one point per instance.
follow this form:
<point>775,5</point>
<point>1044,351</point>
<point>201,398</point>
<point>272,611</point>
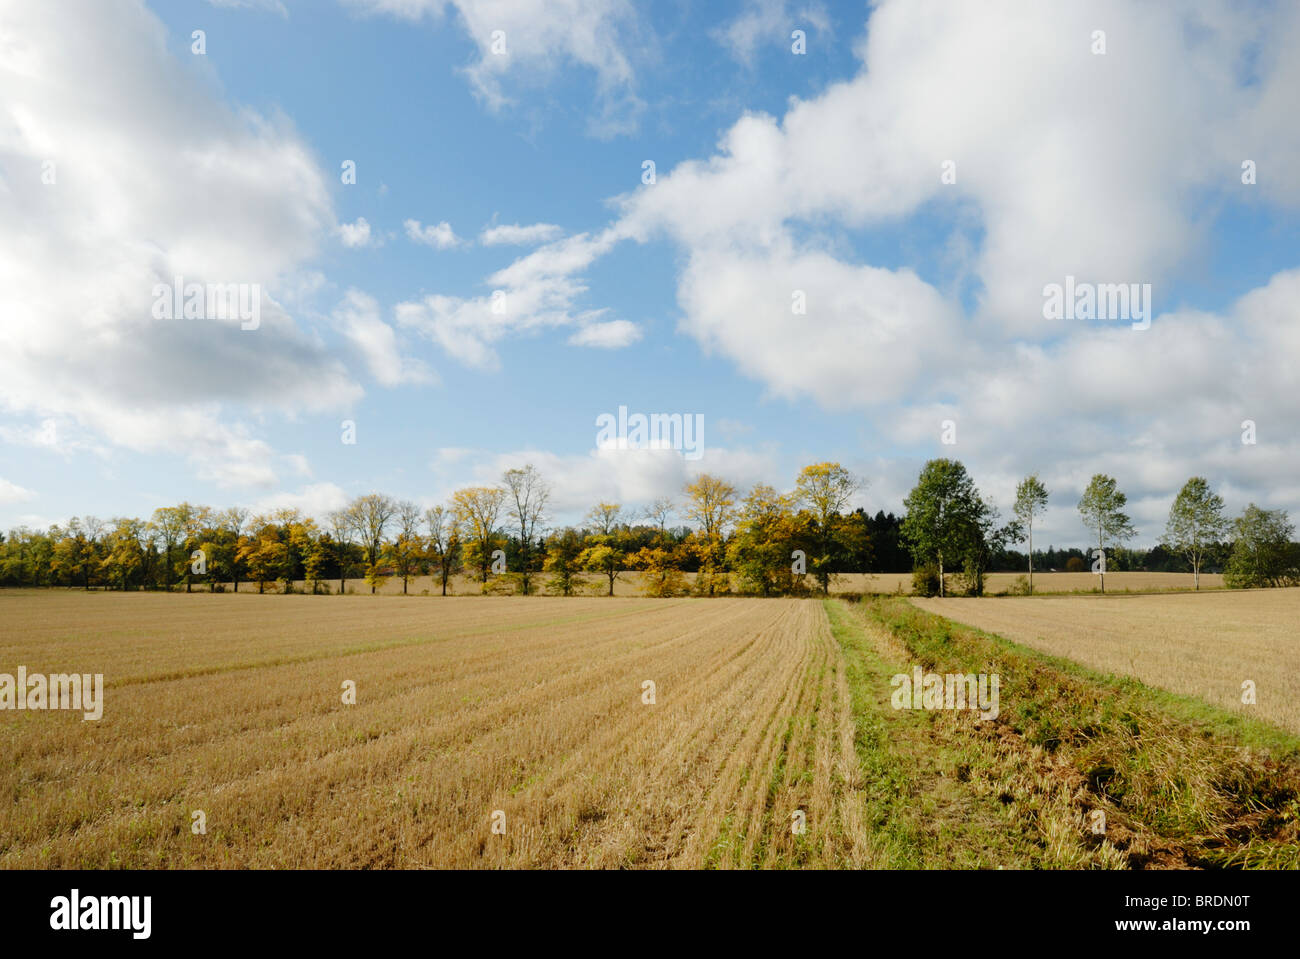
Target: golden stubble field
<point>1204,645</point>
<point>529,713</point>
<point>1043,582</point>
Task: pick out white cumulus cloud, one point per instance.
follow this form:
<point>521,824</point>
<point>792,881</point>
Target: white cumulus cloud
<point>439,236</point>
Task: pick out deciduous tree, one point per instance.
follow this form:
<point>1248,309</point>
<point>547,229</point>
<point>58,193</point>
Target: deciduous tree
<point>371,515</point>
<point>1102,509</point>
<point>444,542</point>
<point>825,490</point>
<point>343,530</point>
<point>477,509</point>
<point>945,516</point>
<point>711,505</point>
<point>1196,524</point>
<point>605,554</point>
<point>1031,502</point>
<point>408,543</point>
<point>528,496</point>
<point>563,550</point>
<point>1262,551</point>
<point>760,550</point>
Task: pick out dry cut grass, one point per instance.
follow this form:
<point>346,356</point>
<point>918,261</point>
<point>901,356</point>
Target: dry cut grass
<point>466,709</point>
<point>1202,645</point>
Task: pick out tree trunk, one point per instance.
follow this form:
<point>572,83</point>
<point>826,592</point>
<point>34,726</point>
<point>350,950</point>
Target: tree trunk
<point>1101,549</point>
<point>1031,557</point>
<point>941,575</point>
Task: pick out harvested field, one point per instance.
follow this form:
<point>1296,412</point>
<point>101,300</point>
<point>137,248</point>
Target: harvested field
<point>466,709</point>
<point>531,715</point>
<point>1202,645</point>
<point>1043,582</point>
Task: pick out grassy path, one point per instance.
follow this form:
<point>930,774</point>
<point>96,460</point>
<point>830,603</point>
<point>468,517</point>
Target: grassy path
<point>919,811</point>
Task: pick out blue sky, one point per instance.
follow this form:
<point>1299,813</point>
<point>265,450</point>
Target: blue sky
<point>776,172</point>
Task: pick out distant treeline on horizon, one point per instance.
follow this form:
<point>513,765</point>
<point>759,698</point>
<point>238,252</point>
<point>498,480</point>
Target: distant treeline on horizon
<point>764,543</point>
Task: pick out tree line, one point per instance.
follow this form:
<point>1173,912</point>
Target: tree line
<point>949,525</point>
<point>765,542</point>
